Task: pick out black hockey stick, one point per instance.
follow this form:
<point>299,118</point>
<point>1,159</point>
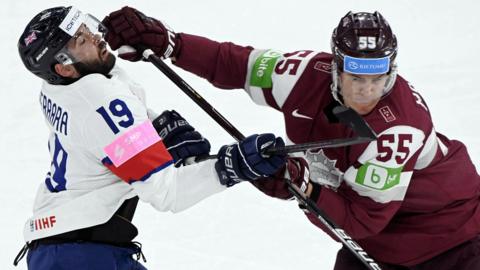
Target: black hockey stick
<point>309,204</point>
<point>346,116</point>
<point>197,98</point>
<point>346,240</point>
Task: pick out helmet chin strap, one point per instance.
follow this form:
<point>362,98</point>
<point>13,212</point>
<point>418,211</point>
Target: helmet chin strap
<point>335,86</point>
<point>392,77</point>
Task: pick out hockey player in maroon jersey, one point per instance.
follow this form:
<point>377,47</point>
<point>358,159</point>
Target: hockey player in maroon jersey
<point>410,198</point>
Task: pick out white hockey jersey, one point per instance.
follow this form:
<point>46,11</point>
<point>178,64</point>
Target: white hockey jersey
<point>104,151</point>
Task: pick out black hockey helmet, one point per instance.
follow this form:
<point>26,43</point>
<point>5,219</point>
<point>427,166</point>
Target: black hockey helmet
<point>43,42</point>
<point>362,36</point>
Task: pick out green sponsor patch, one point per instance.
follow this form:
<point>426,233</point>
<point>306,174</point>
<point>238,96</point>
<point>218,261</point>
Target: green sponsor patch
<point>263,68</point>
<point>378,177</point>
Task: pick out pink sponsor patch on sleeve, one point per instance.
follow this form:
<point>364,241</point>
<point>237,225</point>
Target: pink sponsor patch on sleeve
<point>131,143</point>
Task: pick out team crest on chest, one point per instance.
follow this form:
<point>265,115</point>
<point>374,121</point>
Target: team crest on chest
<point>323,170</point>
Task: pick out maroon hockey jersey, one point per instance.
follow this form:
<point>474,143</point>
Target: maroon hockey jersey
<point>406,197</point>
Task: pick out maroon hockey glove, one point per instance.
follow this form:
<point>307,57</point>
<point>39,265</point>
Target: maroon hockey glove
<point>295,169</point>
<point>298,173</point>
<point>129,26</point>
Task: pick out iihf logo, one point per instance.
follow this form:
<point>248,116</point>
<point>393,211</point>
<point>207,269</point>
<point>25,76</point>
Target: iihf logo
<point>42,223</point>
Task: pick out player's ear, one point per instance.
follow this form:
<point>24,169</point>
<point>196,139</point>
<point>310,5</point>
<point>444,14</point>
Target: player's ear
<point>67,71</point>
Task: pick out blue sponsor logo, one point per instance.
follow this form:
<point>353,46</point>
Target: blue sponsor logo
<point>366,66</point>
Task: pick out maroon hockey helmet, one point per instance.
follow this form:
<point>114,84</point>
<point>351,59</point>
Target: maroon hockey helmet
<point>363,35</point>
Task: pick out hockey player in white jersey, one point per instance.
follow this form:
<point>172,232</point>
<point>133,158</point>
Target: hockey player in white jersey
<point>106,151</point>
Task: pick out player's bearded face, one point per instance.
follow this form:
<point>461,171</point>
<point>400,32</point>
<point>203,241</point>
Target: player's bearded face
<point>102,62</point>
<point>362,92</point>
<point>90,53</point>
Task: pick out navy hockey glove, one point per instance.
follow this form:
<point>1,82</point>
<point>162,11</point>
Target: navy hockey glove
<point>128,26</point>
<point>180,138</point>
<point>244,160</point>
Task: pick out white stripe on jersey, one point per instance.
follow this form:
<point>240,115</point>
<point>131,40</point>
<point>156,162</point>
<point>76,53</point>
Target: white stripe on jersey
<point>282,84</point>
<point>385,181</point>
<point>396,193</point>
<point>428,152</point>
<point>255,92</point>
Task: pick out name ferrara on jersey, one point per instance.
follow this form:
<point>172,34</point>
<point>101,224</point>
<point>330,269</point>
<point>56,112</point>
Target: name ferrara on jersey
<point>54,114</point>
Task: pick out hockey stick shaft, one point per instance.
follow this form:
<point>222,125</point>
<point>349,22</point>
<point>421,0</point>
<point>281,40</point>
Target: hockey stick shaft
<point>344,115</point>
<point>314,145</point>
<point>309,204</point>
<point>346,240</point>
<point>223,122</point>
<point>197,98</point>
<point>309,146</point>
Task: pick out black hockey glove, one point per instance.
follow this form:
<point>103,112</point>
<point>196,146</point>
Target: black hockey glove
<point>244,161</point>
<point>180,138</point>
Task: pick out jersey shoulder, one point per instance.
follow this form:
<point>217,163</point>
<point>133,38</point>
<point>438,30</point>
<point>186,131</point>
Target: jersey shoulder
<point>402,106</point>
<point>312,89</point>
<point>95,88</point>
<point>273,75</point>
<point>101,108</point>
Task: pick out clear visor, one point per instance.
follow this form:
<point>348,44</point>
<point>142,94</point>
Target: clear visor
<point>81,27</point>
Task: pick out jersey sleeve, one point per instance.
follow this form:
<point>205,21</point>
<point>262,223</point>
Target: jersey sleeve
<point>386,166</point>
<point>272,75</point>
<point>121,137</point>
<point>222,64</point>
<point>268,76</point>
<point>375,186</point>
